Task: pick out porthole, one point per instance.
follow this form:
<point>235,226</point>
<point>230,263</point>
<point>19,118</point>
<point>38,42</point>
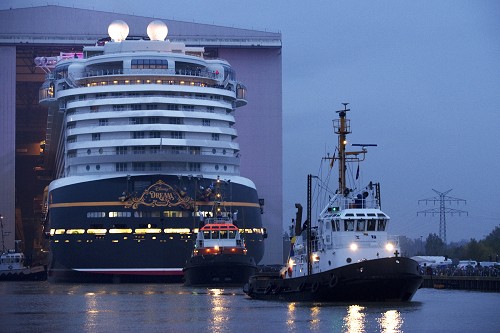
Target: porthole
<point>100,151</point>
<point>224,152</point>
<point>225,167</point>
<point>348,260</point>
<point>88,151</point>
<point>87,167</point>
<point>217,167</point>
<point>98,167</point>
<point>214,151</point>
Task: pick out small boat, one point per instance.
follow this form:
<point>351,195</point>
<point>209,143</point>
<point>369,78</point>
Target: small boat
<point>12,268</point>
<point>219,257</point>
<point>347,255</point>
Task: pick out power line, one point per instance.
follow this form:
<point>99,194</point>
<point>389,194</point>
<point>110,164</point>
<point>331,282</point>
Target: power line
<point>442,198</point>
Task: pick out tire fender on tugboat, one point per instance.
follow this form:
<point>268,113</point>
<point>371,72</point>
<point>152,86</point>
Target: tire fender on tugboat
<point>315,286</point>
<point>333,281</point>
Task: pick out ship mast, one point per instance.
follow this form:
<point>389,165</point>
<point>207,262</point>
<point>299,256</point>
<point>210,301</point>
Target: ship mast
<point>342,127</point>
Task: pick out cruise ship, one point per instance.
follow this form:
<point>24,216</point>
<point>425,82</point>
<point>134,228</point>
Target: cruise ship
<point>139,129</point>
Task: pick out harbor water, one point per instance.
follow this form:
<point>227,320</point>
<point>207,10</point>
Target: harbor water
<point>45,307</point>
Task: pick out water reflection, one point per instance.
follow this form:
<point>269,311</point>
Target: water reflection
<point>354,321</point>
<point>290,320</point>
<point>315,319</point>
<point>391,322</point>
<point>357,320</point>
<point>219,311</point>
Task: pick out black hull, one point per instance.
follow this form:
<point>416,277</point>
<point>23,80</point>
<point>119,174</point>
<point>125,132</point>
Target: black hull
<point>38,273</point>
<point>380,280</point>
<point>222,270</point>
<point>132,256</point>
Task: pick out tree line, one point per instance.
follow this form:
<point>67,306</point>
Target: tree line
<point>487,249</point>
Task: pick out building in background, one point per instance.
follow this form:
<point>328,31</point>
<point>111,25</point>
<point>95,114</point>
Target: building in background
<point>26,33</point>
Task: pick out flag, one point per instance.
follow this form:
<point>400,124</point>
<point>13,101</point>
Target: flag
<point>357,172</point>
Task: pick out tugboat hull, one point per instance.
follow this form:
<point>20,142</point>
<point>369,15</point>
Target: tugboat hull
<point>219,270</point>
<point>380,280</point>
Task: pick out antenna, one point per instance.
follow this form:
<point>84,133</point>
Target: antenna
<point>442,199</point>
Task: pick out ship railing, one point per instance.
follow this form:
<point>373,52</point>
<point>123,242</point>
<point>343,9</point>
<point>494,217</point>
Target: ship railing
<point>157,149</point>
<point>184,72</point>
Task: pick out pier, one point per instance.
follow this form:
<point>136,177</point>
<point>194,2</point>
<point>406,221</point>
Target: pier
<point>476,283</point>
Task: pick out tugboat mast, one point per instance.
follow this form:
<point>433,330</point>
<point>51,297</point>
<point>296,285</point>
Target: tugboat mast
<point>342,127</point>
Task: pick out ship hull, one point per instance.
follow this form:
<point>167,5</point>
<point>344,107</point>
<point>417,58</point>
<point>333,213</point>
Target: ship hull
<point>36,273</point>
<point>148,231</point>
<point>380,280</point>
<point>223,270</point>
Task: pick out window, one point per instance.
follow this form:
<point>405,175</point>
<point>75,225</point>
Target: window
<point>139,166</point>
<point>138,135</point>
<point>139,150</point>
<point>175,121</point>
<point>135,121</point>
<point>155,134</point>
<point>118,107</point>
<point>96,136</point>
<point>121,166</point>
<point>194,167</point>
<point>136,107</point>
<point>371,225</point>
<point>360,226</point>
<point>349,225</point>
<point>381,225</point>
<point>194,150</point>
<point>121,150</point>
<point>177,150</point>
<point>153,120</point>
<point>206,122</point>
<point>155,166</point>
<point>154,149</point>
<point>215,136</point>
<point>71,138</point>
<point>151,106</point>
<point>149,64</point>
<point>103,122</point>
<point>176,135</point>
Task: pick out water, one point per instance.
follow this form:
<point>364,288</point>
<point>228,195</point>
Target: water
<point>45,307</point>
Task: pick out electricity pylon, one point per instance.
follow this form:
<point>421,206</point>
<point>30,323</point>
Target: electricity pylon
<point>443,210</point>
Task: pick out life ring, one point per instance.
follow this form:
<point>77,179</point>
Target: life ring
<point>315,286</point>
<point>269,288</point>
<point>276,290</point>
<point>10,266</point>
<point>333,281</point>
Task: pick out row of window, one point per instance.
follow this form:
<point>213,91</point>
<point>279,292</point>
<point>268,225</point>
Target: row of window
<point>126,230</point>
<point>142,135</point>
<point>357,225</point>
<point>149,64</point>
<point>123,150</point>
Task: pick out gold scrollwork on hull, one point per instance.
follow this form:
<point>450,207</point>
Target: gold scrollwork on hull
<point>161,194</point>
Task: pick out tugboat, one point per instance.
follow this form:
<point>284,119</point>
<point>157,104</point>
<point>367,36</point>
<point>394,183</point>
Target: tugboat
<point>219,257</point>
<point>12,264</point>
<point>347,256</point>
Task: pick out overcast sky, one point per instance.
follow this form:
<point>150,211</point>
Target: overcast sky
<point>423,80</point>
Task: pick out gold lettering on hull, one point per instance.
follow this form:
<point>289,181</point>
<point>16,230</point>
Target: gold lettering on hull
<point>161,194</point>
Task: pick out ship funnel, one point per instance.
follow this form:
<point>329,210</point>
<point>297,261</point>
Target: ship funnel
<point>298,219</point>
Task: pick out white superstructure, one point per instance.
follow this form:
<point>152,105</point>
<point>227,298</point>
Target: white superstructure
<point>139,106</point>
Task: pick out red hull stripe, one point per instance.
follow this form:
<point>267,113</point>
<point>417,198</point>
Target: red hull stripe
<point>133,271</point>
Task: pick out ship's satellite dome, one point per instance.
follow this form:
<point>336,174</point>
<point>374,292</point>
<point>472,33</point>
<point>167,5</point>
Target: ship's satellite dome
<point>118,30</point>
<point>157,30</point>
